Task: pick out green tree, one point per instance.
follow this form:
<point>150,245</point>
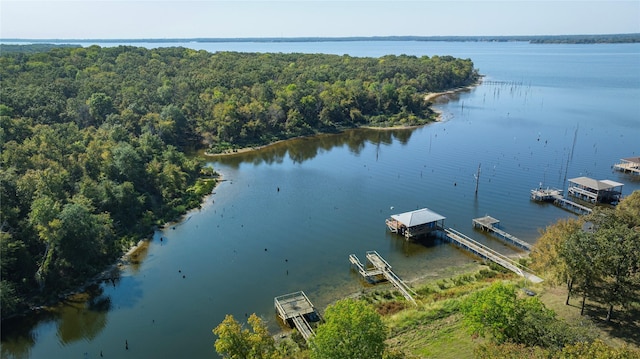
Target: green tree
<point>234,342</point>
<point>499,313</point>
<point>629,209</point>
<point>352,329</point>
<point>580,252</point>
<point>618,254</point>
<point>597,350</point>
<point>100,105</point>
<point>545,255</point>
<point>492,311</point>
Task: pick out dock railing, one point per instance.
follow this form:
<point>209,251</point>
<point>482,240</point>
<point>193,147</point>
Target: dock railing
<point>487,253</point>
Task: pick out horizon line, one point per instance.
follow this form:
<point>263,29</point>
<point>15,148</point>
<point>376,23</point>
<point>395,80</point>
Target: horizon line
<point>324,38</point>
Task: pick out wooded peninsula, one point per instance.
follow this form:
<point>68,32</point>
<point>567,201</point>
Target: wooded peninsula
<point>95,141</point>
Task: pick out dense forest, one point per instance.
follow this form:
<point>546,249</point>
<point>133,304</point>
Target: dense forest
<point>95,140</point>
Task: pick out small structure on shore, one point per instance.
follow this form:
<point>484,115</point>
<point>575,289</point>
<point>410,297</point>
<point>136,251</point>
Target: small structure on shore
<point>296,310</point>
<point>628,165</point>
<point>415,223</point>
<point>594,191</point>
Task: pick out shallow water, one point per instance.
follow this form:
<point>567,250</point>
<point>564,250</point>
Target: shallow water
<point>251,242</point>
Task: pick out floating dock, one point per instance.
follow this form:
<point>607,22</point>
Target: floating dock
<point>487,253</point>
<point>297,309</point>
<point>490,224</point>
<point>378,268</point>
<point>546,194</point>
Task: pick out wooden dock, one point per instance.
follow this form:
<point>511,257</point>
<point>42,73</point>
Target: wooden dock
<point>377,268</point>
<point>555,196</point>
<point>546,194</point>
<point>295,308</point>
<point>628,165</point>
<point>487,253</point>
<point>573,206</point>
<point>490,224</point>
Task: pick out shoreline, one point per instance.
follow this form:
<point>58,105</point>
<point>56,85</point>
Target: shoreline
<point>114,270</point>
<point>429,97</point>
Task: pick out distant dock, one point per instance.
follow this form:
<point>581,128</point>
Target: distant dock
<point>554,195</point>
<point>490,224</point>
<point>628,165</point>
<point>377,268</point>
<point>546,194</point>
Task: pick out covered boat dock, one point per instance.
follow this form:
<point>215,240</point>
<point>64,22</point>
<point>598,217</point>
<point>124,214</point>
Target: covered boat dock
<point>415,223</point>
<point>595,191</point>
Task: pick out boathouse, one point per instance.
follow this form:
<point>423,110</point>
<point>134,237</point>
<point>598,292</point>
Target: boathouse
<point>415,223</point>
<point>594,191</point>
<point>629,165</point>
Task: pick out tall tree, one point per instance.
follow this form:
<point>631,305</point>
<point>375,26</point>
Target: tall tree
<point>618,254</point>
<point>579,253</point>
<point>234,342</point>
<point>353,329</point>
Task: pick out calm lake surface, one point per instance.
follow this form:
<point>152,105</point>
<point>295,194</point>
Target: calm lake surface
<point>544,113</point>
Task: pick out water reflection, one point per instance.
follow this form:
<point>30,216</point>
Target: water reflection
<point>304,149</point>
<point>80,317</point>
<point>83,316</point>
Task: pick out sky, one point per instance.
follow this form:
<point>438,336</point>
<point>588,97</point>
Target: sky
<point>155,19</point>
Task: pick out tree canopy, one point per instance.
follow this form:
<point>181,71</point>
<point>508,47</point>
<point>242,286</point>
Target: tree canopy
<point>234,342</point>
<point>598,255</point>
<point>352,329</point>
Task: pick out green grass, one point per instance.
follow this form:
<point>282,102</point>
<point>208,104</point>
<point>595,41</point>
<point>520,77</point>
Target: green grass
<point>435,327</point>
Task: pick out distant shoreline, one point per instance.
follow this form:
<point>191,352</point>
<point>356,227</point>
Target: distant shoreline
<point>536,39</point>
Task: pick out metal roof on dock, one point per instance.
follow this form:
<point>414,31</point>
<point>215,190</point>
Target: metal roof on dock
<point>418,217</point>
<point>595,184</point>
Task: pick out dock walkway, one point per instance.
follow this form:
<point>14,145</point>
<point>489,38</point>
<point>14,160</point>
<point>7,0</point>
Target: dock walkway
<point>565,203</point>
<point>379,267</point>
<point>485,252</point>
<point>489,224</point>
<point>555,196</point>
<point>294,307</point>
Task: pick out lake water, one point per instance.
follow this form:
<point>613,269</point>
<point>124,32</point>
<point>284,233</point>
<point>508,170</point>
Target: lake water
<point>288,216</point>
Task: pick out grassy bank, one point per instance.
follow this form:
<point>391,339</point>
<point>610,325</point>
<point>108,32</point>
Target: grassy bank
<point>434,328</point>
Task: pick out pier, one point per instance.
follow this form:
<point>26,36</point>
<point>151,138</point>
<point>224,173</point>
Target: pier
<point>490,224</point>
<point>555,196</point>
<point>487,253</point>
<point>297,309</point>
<point>573,206</point>
<point>378,268</point>
<point>628,165</point>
